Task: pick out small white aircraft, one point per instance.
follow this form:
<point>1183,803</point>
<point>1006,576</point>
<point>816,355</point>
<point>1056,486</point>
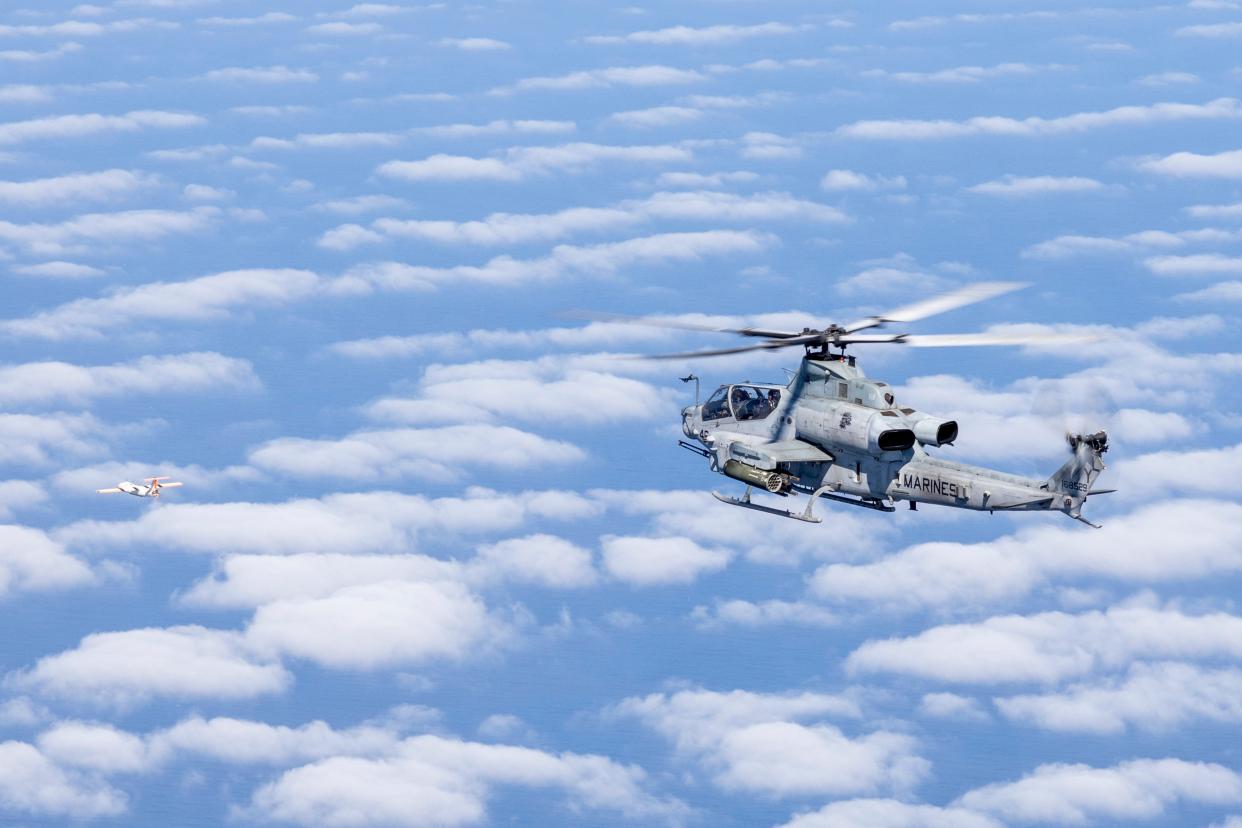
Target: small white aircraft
<point>150,489</point>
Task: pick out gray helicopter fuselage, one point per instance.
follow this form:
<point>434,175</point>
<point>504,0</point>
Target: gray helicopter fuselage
<point>831,429</point>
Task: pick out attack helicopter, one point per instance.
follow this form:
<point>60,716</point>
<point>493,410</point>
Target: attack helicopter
<point>832,432</point>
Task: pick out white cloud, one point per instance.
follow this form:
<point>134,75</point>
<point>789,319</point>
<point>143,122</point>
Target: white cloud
<point>889,813</point>
<point>373,522</point>
<point>919,130</point>
<point>86,233</point>
<point>18,495</point>
<point>640,76</point>
<point>951,706</point>
<point>698,36</point>
<point>656,117</point>
<point>1147,545</point>
<point>188,662</point>
<point>205,297</point>
<point>1012,186</point>
<point>58,270</point>
<point>385,624</point>
<point>1192,165</point>
<point>1078,794</point>
<point>964,74</point>
<point>1201,472</point>
<point>1142,241</point>
<point>696,181</point>
<point>260,74</point>
<point>1168,79</point>
<point>411,452</point>
<point>475,44</point>
<point>538,559</point>
<point>249,581</point>
<point>1216,211</point>
<point>1050,646</point>
<point>30,561</point>
<point>72,189</point>
<point>767,146</point>
<point>358,205</point>
<point>836,180</point>
<point>30,783</point>
<point>257,20</point>
<point>98,747</point>
<point>499,126</point>
<point>738,613</point>
<point>1212,30</point>
<point>656,561</point>
<point>755,742</point>
<point>83,28</point>
<point>241,742</point>
<point>436,781</point>
<point>522,228</point>
<point>339,28</point>
<point>1198,264</point>
<point>46,439</point>
<point>1220,292</point>
<point>75,126</point>
<point>1155,697</point>
<point>33,56</point>
<point>563,262</point>
<point>520,162</point>
<point>36,383</point>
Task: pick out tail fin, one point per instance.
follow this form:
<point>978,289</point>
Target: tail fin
<point>1073,480</point>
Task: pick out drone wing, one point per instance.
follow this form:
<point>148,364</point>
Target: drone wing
<point>109,491</point>
<point>170,485</point>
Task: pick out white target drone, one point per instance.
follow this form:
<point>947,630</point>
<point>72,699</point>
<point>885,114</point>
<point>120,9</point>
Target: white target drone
<point>150,487</point>
<point>832,432</point>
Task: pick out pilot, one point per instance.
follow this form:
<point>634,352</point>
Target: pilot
<point>774,399</point>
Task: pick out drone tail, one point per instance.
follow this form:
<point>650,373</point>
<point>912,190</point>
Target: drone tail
<point>1072,482</point>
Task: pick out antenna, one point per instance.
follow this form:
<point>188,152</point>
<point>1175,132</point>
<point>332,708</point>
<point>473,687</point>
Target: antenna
<point>696,386</point>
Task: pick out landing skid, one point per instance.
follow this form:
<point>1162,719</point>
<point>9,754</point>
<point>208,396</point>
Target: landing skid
<point>744,502</point>
<point>806,514</point>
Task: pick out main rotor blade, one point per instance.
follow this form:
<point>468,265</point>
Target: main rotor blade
<point>966,295</point>
<point>654,322</point>
<point>766,346</point>
<point>972,339</point>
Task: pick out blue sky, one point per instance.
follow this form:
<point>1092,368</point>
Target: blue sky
<point>438,560</point>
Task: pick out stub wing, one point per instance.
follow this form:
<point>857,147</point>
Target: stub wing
<point>767,455</point>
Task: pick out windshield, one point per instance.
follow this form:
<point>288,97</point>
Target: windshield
<point>717,405</point>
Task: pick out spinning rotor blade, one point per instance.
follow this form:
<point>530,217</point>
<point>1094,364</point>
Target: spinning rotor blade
<point>654,322</point>
<point>943,303</point>
<point>972,339</point>
<point>766,346</point>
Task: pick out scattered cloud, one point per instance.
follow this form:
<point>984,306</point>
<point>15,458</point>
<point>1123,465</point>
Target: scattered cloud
<point>920,130</point>
<point>1012,186</point>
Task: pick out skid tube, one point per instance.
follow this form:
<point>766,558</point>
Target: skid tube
<point>807,514</point>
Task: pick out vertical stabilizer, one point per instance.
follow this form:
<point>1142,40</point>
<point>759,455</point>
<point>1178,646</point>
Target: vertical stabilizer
<point>1072,482</point>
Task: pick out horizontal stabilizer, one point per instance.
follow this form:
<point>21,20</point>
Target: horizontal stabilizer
<point>1022,504</point>
<point>1100,491</point>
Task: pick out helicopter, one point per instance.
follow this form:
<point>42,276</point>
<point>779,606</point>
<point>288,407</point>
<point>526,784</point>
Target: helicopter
<point>834,433</point>
<point>150,487</point>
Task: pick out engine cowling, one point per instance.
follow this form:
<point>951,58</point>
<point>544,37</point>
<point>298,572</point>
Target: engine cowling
<point>932,431</point>
<point>853,428</point>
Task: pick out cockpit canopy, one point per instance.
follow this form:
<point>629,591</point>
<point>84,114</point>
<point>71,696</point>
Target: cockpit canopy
<point>742,402</point>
